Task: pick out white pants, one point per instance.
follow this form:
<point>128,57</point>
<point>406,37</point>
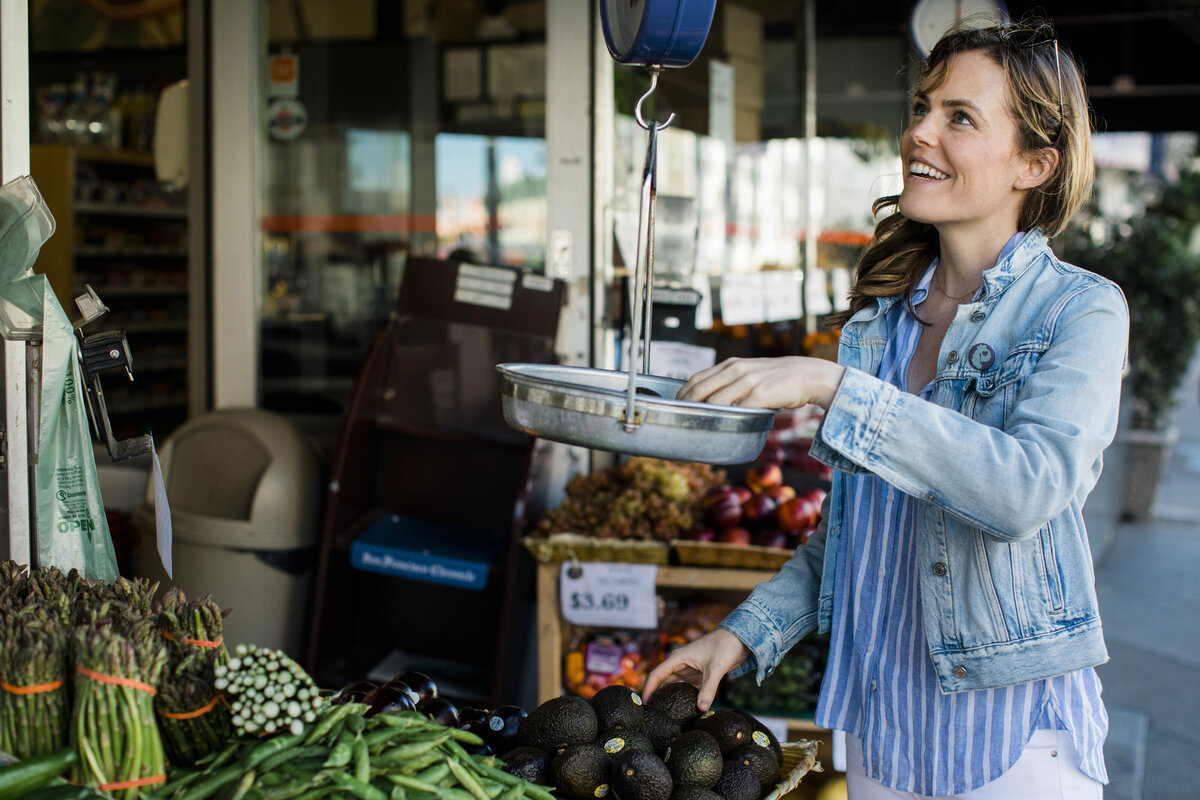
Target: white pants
<point>1048,769</point>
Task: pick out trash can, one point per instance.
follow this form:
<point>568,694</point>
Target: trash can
<point>243,486</point>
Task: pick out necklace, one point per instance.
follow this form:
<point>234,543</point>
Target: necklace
<point>961,299</point>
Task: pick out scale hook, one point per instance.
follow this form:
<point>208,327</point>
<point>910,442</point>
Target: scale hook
<point>637,111</point>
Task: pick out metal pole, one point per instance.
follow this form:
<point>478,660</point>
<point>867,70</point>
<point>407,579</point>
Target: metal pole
<point>811,223</point>
<point>14,162</point>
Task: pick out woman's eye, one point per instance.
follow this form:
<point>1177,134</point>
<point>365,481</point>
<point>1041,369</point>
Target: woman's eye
<point>961,118</point>
<point>920,110</point>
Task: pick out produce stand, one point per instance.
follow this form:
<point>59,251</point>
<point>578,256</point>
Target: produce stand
<point>734,584</point>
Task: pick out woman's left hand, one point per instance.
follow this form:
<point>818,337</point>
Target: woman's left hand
<point>787,382</point>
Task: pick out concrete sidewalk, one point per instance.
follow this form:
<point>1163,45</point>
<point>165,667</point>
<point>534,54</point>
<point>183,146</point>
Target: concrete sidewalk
<point>1148,581</point>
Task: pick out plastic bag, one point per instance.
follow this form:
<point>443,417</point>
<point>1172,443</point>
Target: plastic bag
<point>72,531</point>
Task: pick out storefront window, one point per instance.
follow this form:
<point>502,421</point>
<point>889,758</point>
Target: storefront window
<point>390,133</point>
<point>741,186</point>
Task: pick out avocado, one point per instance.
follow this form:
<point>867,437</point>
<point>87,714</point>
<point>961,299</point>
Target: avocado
<point>527,763</point>
<point>738,782</point>
<point>760,733</point>
<point>677,702</point>
<point>580,772</point>
<point>642,776</point>
<point>760,759</point>
<point>617,743</point>
<point>659,730</point>
<point>557,723</point>
<point>694,759</point>
<point>729,728</point>
<point>618,706</point>
<point>694,793</point>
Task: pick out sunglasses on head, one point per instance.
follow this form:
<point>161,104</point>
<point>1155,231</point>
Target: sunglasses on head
<point>1020,38</point>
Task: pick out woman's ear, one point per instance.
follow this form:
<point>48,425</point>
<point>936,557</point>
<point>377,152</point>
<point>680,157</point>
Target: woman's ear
<point>1040,166</point>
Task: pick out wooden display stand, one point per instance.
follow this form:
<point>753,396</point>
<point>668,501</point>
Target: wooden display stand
<point>734,583</point>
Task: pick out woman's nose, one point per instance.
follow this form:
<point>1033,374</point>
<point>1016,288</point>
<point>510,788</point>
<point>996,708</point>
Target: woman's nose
<point>921,131</point>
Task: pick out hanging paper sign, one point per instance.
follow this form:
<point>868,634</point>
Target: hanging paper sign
<point>286,119</point>
<point>602,594</point>
<point>284,76</point>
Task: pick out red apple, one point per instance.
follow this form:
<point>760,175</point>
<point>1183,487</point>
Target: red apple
<point>721,510</point>
<point>771,537</point>
<point>743,493</point>
<point>794,514</point>
<point>700,534</point>
<point>759,509</point>
<point>782,492</point>
<point>735,536</point>
<point>764,475</point>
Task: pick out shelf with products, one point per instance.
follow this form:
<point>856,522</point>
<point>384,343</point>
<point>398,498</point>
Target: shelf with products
<point>124,234</point>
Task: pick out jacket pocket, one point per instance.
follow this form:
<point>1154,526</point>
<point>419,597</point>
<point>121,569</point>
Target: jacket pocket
<point>984,400</point>
<point>1050,571</point>
<point>987,585</point>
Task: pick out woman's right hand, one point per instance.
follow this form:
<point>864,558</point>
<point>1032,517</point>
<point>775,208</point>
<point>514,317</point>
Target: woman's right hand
<point>701,663</point>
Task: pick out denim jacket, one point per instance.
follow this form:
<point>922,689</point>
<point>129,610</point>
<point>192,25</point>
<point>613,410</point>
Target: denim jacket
<point>1024,401</point>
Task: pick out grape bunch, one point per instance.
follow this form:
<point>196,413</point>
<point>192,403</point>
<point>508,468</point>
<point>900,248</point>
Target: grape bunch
<point>644,498</point>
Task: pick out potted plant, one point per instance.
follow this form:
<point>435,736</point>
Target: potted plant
<point>1155,259</point>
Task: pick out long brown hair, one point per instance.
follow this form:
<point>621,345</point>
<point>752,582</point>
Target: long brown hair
<point>901,249</point>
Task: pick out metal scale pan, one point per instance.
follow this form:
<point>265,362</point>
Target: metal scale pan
<point>634,412</point>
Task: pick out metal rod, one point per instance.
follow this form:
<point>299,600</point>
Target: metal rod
<point>645,233</point>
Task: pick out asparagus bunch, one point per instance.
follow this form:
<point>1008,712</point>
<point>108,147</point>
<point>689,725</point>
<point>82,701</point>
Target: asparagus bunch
<point>193,717</point>
<point>113,723</point>
<point>270,691</point>
<point>34,702</point>
<point>193,623</point>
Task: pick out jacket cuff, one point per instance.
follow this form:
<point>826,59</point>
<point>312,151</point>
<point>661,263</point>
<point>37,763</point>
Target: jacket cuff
<point>854,419</point>
<point>760,639</point>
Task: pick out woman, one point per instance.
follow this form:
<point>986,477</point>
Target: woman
<point>977,385</point>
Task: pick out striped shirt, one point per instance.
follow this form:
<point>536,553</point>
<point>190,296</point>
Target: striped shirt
<point>880,683</point>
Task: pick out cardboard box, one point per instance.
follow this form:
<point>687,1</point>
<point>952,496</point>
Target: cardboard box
<point>747,81</point>
<point>736,31</point>
<point>747,124</point>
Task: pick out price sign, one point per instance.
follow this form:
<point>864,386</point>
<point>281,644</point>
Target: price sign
<point>602,594</point>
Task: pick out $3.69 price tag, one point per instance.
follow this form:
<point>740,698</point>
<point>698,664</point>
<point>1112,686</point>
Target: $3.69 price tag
<point>602,594</point>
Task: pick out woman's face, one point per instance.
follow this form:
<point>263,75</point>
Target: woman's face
<point>961,164</point>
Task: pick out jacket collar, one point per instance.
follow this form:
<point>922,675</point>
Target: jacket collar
<point>996,279</point>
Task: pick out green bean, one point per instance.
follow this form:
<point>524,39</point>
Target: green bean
<point>207,787</point>
<point>331,719</point>
<point>362,760</point>
<point>513,792</point>
<point>361,790</point>
<point>465,736</point>
<point>412,783</point>
<point>294,754</point>
<point>269,748</point>
<point>245,784</point>
<point>435,773</point>
<point>533,790</point>
<point>342,752</point>
<point>469,781</point>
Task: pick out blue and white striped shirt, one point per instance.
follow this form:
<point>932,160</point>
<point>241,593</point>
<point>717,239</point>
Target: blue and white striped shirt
<point>880,684</point>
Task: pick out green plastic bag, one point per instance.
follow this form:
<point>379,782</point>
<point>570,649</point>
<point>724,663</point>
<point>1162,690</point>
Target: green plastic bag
<point>72,530</point>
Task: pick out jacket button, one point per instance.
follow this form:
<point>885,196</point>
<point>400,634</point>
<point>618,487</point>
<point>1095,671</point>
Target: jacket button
<point>978,315</point>
<point>960,672</point>
<point>939,569</point>
<point>952,357</point>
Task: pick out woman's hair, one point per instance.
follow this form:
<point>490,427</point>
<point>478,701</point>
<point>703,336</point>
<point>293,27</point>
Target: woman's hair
<point>1031,56</point>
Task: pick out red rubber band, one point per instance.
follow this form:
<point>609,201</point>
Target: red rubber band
<point>132,684</point>
<point>112,787</point>
<point>35,689</point>
<point>199,712</point>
